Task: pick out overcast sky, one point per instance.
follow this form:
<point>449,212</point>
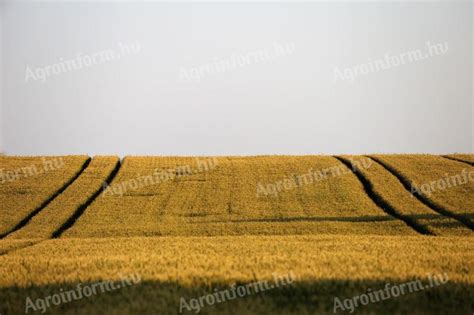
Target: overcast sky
<point>240,79</point>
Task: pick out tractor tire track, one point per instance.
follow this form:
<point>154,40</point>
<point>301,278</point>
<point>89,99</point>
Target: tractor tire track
<point>80,210</point>
<point>45,203</point>
<point>381,202</point>
<point>422,198</point>
<point>457,160</point>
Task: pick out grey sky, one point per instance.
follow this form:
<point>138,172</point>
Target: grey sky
<point>249,99</point>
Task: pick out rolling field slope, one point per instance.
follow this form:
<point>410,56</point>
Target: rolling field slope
<point>467,158</point>
<point>443,184</point>
<point>28,183</point>
<point>142,235</point>
<point>62,208</point>
<point>321,268</point>
<point>234,196</point>
<point>392,191</point>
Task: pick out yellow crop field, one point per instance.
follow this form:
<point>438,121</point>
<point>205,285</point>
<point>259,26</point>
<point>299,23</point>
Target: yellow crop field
<point>57,213</point>
<point>13,244</point>
<point>444,184</point>
<point>27,183</point>
<point>170,268</point>
<point>376,234</point>
<point>468,158</point>
<point>390,189</point>
<point>259,195</point>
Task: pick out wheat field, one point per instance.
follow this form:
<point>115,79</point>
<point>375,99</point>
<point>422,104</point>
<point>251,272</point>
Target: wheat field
<point>174,233</point>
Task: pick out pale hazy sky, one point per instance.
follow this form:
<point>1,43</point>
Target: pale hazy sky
<point>236,78</point>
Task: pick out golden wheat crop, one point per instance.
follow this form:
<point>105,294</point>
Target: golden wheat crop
<point>469,158</point>
<point>57,213</point>
<point>9,245</point>
<point>448,184</point>
<point>173,267</point>
<point>189,227</point>
<point>28,182</point>
<point>388,187</point>
<point>234,196</point>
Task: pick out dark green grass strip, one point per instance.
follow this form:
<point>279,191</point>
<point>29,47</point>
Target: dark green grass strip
<point>382,203</point>
<point>80,210</point>
<point>45,203</point>
<point>428,202</point>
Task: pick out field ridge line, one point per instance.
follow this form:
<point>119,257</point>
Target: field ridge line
<point>45,203</point>
<point>429,203</point>
<point>381,202</point>
<point>21,247</point>
<point>457,160</point>
<point>82,208</point>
